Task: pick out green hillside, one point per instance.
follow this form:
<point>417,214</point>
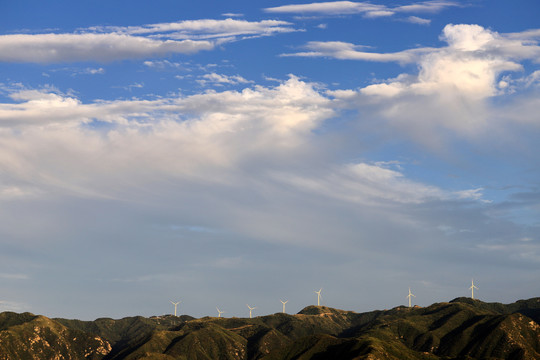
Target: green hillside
<point>460,329</point>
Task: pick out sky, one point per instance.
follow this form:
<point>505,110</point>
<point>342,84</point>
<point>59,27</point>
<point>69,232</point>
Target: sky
<point>224,153</point>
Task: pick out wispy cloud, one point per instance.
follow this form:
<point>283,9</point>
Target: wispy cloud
<point>232,15</point>
<point>203,29</point>
<point>14,276</point>
<point>51,48</point>
<point>367,9</point>
<point>371,184</point>
<point>221,79</point>
<point>328,8</point>
<point>418,20</point>
<point>348,51</point>
<point>74,71</point>
<point>116,43</point>
<point>427,6</point>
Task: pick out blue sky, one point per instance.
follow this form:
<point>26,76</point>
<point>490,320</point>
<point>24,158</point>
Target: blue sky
<point>224,153</point>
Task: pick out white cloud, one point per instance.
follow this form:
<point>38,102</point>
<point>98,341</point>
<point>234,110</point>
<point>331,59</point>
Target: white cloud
<point>427,6</point>
<point>379,13</point>
<point>194,137</point>
<point>203,130</point>
<point>418,20</point>
<point>204,29</point>
<point>94,71</point>
<point>470,64</point>
<point>232,15</point>
<point>163,64</point>
<point>388,89</point>
<point>330,8</point>
<point>366,8</point>
<point>117,43</point>
<point>451,92</point>
<point>371,184</point>
<point>47,48</point>
<point>220,79</point>
<point>348,51</point>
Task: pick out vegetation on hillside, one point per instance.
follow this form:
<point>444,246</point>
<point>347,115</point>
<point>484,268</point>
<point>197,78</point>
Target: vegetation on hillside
<point>461,329</point>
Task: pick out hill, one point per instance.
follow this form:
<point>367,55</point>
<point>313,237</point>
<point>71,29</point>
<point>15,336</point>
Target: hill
<point>460,329</point>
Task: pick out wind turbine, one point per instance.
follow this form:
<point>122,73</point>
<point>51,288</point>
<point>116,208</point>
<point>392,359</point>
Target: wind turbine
<point>410,296</point>
<point>284,302</point>
<point>472,288</point>
<point>175,305</point>
<point>219,312</point>
<point>318,297</point>
<point>250,309</point>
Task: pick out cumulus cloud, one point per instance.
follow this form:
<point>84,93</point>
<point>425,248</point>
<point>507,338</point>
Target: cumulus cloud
<point>117,43</point>
<point>465,43</point>
<point>194,137</point>
<point>453,90</point>
<point>452,86</point>
<point>470,64</point>
<point>201,126</point>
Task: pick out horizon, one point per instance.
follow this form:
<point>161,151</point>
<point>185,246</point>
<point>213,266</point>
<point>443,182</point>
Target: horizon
<point>287,313</point>
<point>231,153</point>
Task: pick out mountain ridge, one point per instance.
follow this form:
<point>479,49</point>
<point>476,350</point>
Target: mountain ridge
<point>460,329</point>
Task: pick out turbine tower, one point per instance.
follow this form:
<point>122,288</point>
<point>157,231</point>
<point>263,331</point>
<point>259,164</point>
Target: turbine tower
<point>250,309</point>
<point>472,288</point>
<point>219,312</point>
<point>175,305</point>
<point>410,296</point>
<point>284,302</point>
<point>318,297</point>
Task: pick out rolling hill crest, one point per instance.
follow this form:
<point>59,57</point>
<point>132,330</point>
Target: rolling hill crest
<point>460,329</point>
